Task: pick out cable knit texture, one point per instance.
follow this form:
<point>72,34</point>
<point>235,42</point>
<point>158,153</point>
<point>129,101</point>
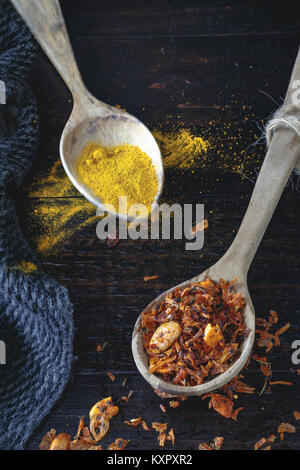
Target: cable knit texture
<point>35,311</point>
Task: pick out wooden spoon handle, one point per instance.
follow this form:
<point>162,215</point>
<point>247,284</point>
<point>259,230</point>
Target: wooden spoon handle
<point>281,158</point>
<point>45,20</point>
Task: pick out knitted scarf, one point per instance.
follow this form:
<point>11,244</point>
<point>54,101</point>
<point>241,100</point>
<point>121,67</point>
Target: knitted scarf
<point>36,325</point>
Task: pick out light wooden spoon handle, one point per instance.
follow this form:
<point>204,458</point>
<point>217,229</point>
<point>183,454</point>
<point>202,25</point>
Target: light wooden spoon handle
<point>46,22</point>
<point>281,158</point>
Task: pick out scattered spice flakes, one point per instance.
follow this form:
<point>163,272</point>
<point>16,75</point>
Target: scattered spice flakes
<point>215,445</point>
<point>100,348</point>
<point>171,436</point>
<point>235,413</point>
<point>218,442</point>
<point>204,446</point>
<point>199,227</point>
<point>174,403</point>
<point>264,441</point>
<point>285,427</point>
<point>86,438</point>
<point>118,444</point>
<point>134,422</point>
<point>162,439</point>
<point>264,365</point>
<point>236,385</point>
<point>273,318</point>
<point>279,332</point>
<point>150,278</point>
<point>47,439</point>
<point>61,442</point>
<point>221,404</point>
<point>296,415</point>
<point>163,408</point>
<point>281,382</point>
<point>127,398</point>
<point>80,427</point>
<point>266,340</point>
<point>145,426</point>
<point>260,443</point>
<point>159,427</point>
<point>111,376</point>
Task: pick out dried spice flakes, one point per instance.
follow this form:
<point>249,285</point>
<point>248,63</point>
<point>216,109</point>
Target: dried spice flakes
<point>266,339</point>
<point>118,444</point>
<point>134,422</point>
<point>199,227</point>
<point>127,398</point>
<point>159,427</point>
<point>86,438</point>
<point>222,405</point>
<point>195,333</point>
<point>296,415</point>
<point>150,278</point>
<point>237,386</point>
<point>281,382</point>
<point>264,441</point>
<point>264,365</point>
<point>171,436</point>
<point>47,439</point>
<point>215,445</point>
<point>174,403</point>
<point>145,426</point>
<point>111,376</point>
<point>285,427</point>
<point>204,446</point>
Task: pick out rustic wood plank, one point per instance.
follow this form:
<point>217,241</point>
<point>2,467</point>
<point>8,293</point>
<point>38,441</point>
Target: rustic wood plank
<point>177,18</point>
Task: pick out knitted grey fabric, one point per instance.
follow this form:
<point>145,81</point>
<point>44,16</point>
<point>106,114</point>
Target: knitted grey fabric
<point>35,311</point>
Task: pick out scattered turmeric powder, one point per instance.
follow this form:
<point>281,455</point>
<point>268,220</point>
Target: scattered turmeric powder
<point>181,149</point>
<point>57,210</point>
<point>27,267</point>
<point>120,170</point>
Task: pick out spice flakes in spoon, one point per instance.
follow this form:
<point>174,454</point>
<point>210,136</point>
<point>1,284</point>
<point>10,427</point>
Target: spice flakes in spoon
<point>195,333</point>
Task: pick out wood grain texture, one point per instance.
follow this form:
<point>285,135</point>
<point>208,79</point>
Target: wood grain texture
<point>227,54</point>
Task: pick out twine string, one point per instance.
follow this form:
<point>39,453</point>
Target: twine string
<point>282,118</point>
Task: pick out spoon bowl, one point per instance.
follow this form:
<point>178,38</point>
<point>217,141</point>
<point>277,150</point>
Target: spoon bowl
<point>98,122</point>
<point>140,356</point>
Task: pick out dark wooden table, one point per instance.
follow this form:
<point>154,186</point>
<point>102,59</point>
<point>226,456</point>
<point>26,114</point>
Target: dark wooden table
<point>214,62</point>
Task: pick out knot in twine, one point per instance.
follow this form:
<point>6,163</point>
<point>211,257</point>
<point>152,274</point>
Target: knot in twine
<point>282,118</point>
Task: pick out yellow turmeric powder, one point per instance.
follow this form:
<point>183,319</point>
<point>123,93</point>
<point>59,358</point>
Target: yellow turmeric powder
<point>181,149</point>
<point>121,170</point>
<point>27,267</point>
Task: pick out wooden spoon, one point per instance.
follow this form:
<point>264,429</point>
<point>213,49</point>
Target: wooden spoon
<point>91,119</point>
<point>280,160</point>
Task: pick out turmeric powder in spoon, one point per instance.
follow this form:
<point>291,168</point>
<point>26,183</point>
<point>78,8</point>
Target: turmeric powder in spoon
<point>120,170</point>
